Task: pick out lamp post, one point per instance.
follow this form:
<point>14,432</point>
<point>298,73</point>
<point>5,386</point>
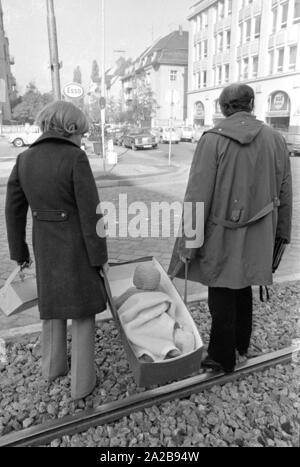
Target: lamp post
<point>53,47</point>
<point>103,103</point>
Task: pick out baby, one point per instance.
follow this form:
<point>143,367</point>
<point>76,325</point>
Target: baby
<point>148,318</point>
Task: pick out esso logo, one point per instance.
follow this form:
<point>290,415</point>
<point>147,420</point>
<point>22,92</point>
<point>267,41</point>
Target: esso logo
<point>73,90</point>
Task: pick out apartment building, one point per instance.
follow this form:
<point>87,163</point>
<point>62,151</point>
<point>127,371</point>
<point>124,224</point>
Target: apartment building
<point>164,66</point>
<point>7,80</point>
<point>256,42</point>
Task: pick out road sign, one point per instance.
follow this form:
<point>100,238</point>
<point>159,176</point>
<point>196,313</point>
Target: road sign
<point>73,90</point>
<point>102,103</point>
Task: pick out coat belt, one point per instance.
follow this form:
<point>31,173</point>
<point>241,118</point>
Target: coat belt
<point>260,215</point>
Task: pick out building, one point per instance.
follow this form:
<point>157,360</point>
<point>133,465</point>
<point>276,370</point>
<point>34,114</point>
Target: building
<point>7,80</point>
<point>256,42</point>
<point>113,78</point>
<point>163,66</point>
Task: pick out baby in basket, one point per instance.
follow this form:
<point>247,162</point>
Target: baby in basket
<point>148,318</point>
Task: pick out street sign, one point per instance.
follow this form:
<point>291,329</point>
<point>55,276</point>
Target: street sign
<point>73,90</point>
<point>102,103</point>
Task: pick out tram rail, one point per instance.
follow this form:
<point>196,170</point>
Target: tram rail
<point>110,412</point>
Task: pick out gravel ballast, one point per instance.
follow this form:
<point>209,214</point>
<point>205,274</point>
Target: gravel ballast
<point>261,409</point>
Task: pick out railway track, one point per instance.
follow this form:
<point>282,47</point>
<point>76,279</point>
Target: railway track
<point>111,412</point>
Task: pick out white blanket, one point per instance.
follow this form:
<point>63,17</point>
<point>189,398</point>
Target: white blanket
<point>148,320</point>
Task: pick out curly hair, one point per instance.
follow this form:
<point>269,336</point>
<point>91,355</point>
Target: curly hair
<point>63,118</point>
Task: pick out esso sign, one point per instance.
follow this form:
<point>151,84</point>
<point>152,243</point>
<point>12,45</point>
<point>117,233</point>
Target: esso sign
<point>73,90</point>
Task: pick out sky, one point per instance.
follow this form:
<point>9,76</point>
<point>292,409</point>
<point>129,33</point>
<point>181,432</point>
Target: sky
<point>130,25</point>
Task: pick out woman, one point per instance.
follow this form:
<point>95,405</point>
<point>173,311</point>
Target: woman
<point>54,178</point>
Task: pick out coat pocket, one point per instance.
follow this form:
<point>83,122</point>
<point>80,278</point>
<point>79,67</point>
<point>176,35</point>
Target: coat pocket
<point>50,215</point>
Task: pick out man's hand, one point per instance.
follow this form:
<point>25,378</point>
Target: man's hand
<point>104,268</point>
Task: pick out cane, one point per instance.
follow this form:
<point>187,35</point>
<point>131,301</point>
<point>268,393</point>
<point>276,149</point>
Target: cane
<point>186,272</point>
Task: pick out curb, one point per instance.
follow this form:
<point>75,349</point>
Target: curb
<point>134,180</point>
<point>10,335</point>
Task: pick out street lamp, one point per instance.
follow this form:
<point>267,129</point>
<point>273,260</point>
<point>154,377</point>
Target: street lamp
<point>103,103</point>
<point>53,47</point>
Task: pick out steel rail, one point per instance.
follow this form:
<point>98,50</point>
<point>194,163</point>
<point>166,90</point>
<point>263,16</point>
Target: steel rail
<point>113,411</point>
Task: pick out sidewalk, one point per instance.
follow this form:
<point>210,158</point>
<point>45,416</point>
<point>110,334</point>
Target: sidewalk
<point>131,169</point>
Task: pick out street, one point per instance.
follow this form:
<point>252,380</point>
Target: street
<point>169,188</point>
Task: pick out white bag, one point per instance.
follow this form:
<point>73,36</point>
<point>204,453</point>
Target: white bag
<point>19,292</point>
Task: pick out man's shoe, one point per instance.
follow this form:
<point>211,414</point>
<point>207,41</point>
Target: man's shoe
<point>210,364</point>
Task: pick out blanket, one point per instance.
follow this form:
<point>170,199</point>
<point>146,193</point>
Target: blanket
<point>148,320</point>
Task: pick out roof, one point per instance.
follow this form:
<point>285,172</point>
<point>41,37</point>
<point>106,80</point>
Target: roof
<point>169,50</point>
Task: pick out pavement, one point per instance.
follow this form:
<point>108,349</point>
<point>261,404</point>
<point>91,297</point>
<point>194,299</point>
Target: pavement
<point>141,176</point>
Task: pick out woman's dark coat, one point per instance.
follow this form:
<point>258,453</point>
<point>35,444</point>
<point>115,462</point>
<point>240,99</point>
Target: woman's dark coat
<point>54,178</point>
<point>239,168</point>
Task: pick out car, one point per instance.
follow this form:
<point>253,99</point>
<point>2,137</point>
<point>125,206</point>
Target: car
<point>292,141</point>
<point>169,134</point>
<point>26,137</point>
<point>139,138</point>
<point>187,133</point>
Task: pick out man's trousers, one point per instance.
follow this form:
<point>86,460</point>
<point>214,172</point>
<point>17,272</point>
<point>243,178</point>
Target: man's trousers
<point>231,312</point>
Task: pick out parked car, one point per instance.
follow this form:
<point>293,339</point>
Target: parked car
<point>170,134</point>
<point>187,133</point>
<point>293,141</point>
<point>26,137</point>
<point>157,132</point>
<point>139,138</point>
<point>198,132</point>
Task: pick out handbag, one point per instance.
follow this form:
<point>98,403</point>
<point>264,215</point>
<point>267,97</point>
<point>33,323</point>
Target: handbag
<point>19,292</point>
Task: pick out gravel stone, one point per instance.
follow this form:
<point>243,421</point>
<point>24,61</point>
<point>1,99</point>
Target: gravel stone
<point>260,409</point>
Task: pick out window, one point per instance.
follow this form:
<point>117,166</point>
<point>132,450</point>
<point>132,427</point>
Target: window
<point>228,39</point>
<point>293,58</point>
<point>297,11</point>
<point>204,48</point>
<point>284,15</point>
<point>226,73</point>
<point>220,42</point>
<point>245,68</point>
<point>204,79</point>
<point>241,29</point>
<point>198,80</point>
<point>204,20</point>
<point>229,7</point>
<point>173,75</point>
<point>219,75</point>
<point>198,23</point>
<point>248,30</point>
<point>271,62</point>
<point>257,27</point>
<point>274,22</point>
<point>280,60</point>
<point>239,70</point>
<point>255,66</point>
<point>221,10</point>
<point>198,55</point>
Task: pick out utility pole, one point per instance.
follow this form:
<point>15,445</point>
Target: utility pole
<point>53,47</point>
<point>103,82</point>
<point>171,126</point>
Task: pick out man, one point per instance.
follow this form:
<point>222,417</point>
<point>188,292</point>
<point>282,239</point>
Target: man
<point>241,172</point>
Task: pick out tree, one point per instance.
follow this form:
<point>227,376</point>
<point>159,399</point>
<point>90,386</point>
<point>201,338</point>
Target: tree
<point>32,102</point>
<point>143,106</point>
<point>77,76</point>
<point>95,76</point>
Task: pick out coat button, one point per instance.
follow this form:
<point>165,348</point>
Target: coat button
<point>63,214</point>
<point>35,214</point>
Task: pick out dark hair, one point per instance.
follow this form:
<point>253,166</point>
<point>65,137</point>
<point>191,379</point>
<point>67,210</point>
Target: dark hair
<point>236,98</point>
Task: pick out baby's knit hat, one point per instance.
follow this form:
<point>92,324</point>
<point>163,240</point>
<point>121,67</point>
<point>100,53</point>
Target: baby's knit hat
<point>146,277</point>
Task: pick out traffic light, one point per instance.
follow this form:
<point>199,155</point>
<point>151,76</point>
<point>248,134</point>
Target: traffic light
<point>102,103</point>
